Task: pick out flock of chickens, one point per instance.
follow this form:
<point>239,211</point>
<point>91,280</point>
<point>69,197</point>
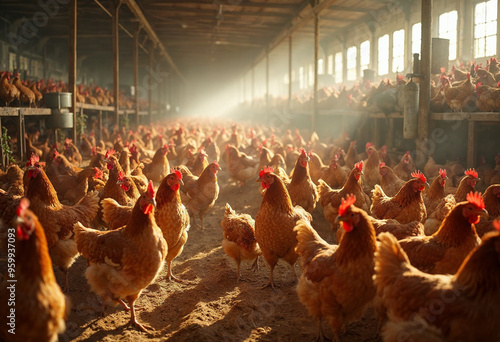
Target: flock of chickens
<point>470,88</point>
<point>410,249</point>
<point>31,93</point>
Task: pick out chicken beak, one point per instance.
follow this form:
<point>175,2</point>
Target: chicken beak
<point>181,182</point>
<point>119,182</point>
<point>153,202</point>
<point>339,219</point>
<point>484,213</point>
<point>18,220</point>
<point>427,183</point>
<point>258,180</point>
<point>220,168</point>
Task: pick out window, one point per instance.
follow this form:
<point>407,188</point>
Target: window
<point>364,55</point>
<point>330,64</point>
<point>301,77</point>
<point>416,38</point>
<point>448,30</point>
<point>383,55</point>
<point>351,63</point>
<point>398,51</point>
<point>485,29</point>
<point>338,67</point>
<point>321,67</point>
<point>311,75</point>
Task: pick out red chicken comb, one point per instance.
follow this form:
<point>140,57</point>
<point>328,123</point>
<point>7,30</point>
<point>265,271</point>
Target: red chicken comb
<point>109,153</point>
<point>98,173</point>
<point>166,147</point>
<point>346,204</point>
<point>369,144</point>
<point>68,141</point>
<point>94,151</point>
<point>23,205</point>
<point>151,190</point>
<point>265,171</point>
<point>55,154</point>
<point>471,173</point>
<point>442,173</point>
<point>443,70</point>
<point>33,160</point>
<point>419,175</point>
<point>381,165</point>
<point>476,199</point>
<point>215,163</point>
<point>177,173</point>
<point>359,166</point>
<point>496,224</point>
<point>227,147</point>
<point>302,152</point>
<point>121,175</point>
<point>407,154</point>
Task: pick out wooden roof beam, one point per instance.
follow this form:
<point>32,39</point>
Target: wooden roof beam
<point>211,3</point>
<point>174,11</point>
<point>295,24</point>
<point>135,9</point>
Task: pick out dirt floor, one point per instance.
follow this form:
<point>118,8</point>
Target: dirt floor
<point>212,306</point>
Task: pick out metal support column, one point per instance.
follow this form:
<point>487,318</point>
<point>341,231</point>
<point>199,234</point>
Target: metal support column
<point>135,57</point>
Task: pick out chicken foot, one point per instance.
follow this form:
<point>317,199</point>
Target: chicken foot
<point>255,265</point>
<point>271,282</point>
<point>133,320</point>
<point>170,276</point>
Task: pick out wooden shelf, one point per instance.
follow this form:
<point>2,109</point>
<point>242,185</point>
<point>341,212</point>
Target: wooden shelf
<point>15,111</point>
<point>470,116</point>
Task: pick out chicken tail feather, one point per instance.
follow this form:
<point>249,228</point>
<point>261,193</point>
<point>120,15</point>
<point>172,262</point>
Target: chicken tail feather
<point>390,260</point>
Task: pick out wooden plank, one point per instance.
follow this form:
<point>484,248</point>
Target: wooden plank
<point>95,107</point>
<point>471,116</point>
<point>35,111</point>
<point>471,143</point>
<point>9,111</point>
<point>116,61</point>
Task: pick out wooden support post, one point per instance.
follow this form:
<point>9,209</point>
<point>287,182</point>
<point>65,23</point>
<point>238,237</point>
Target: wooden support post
<point>20,136</point>
<point>72,60</point>
<point>99,125</point>
<point>267,83</point>
<point>315,86</point>
<point>2,156</point>
<point>425,85</point>
<point>471,143</point>
<point>135,57</point>
<point>290,70</point>
<point>159,82</point>
<point>390,134</point>
<point>44,62</point>
<point>116,61</point>
<point>253,86</point>
<point>150,84</point>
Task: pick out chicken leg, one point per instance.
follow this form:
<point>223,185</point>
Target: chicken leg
<point>133,319</point>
